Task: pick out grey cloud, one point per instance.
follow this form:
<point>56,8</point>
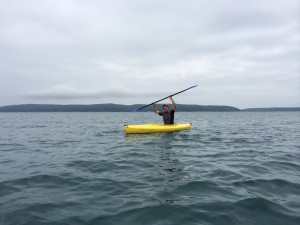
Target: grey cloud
<point>147,45</point>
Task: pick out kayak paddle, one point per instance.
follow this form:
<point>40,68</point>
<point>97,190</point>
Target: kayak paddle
<point>165,98</point>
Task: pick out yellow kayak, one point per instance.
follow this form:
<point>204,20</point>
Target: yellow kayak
<point>154,128</point>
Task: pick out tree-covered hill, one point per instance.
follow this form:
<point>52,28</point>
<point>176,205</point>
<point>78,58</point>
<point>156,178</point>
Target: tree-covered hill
<point>108,108</point>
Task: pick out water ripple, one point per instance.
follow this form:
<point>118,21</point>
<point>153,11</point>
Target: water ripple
<point>80,168</point>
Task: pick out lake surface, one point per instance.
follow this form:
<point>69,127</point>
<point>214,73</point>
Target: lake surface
<point>80,168</point>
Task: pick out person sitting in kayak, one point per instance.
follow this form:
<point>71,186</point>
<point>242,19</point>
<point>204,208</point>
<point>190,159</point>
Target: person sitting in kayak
<point>167,115</point>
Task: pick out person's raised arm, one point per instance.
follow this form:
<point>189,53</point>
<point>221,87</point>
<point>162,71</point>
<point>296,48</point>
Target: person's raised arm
<point>154,108</point>
<point>173,102</point>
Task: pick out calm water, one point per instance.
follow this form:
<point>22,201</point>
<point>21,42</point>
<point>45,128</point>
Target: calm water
<point>80,168</point>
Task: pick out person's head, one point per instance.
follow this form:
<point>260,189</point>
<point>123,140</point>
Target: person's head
<point>166,107</point>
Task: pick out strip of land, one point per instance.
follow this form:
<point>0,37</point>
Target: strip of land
<point>129,108</point>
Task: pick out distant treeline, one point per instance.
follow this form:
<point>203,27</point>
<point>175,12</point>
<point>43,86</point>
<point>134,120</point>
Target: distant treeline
<point>129,108</point>
<point>109,108</point>
<point>273,109</point>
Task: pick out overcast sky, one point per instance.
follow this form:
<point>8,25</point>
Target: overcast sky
<point>241,53</point>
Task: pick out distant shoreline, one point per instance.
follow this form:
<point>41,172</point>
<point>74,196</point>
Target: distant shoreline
<point>129,108</point>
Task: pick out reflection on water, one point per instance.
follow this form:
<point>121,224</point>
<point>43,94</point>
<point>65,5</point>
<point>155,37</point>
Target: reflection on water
<point>146,137</point>
<point>171,170</point>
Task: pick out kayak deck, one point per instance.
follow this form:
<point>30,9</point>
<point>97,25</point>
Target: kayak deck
<point>155,128</point>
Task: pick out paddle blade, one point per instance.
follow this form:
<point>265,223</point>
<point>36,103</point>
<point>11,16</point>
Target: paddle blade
<point>165,98</point>
<point>137,110</point>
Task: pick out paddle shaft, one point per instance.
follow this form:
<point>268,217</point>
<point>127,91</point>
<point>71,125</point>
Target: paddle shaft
<point>166,97</point>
